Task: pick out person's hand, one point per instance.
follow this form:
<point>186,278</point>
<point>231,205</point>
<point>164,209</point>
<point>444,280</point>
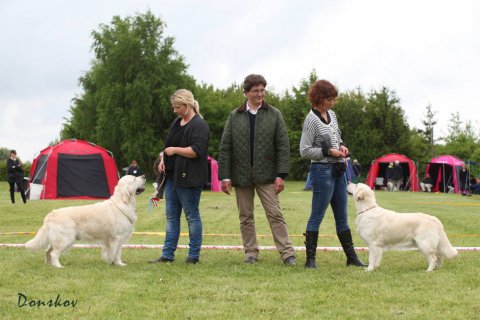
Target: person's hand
<point>161,166</point>
<point>227,186</point>
<point>344,151</point>
<point>336,153</point>
<point>279,185</point>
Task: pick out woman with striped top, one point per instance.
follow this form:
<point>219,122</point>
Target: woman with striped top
<point>322,143</point>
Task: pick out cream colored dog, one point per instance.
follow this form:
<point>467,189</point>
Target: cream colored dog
<point>110,222</point>
<point>384,229</point>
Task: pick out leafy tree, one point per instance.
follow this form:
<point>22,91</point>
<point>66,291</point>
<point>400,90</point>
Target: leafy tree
<point>385,120</point>
<point>215,106</point>
<point>461,140</point>
<point>125,106</point>
<point>350,109</point>
<point>429,122</point>
<point>372,124</point>
<point>4,154</point>
<point>294,107</point>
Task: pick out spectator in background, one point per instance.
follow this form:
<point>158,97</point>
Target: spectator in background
<point>357,171</point>
<point>426,183</point>
<point>15,176</point>
<point>388,176</point>
<point>134,170</point>
<point>463,179</point>
<point>397,176</point>
<point>308,183</point>
<point>473,183</point>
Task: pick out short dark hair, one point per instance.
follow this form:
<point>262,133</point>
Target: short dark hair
<point>321,90</point>
<point>13,151</point>
<point>253,80</point>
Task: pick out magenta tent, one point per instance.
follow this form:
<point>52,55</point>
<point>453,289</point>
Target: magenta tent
<point>378,169</point>
<point>444,171</point>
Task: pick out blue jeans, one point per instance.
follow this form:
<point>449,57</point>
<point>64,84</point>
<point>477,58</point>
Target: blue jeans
<point>187,199</point>
<point>328,190</point>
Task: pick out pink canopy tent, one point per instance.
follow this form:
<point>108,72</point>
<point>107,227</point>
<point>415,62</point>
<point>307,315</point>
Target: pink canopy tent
<point>444,171</point>
<point>379,166</point>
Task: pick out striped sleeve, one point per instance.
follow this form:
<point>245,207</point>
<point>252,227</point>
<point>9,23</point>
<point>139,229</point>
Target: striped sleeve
<point>318,137</point>
<point>309,149</point>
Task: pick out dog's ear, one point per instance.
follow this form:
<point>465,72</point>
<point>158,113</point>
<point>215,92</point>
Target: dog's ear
<point>126,195</point>
<point>360,194</point>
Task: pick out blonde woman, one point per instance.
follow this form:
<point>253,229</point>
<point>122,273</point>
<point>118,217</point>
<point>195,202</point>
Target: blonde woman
<point>185,165</point>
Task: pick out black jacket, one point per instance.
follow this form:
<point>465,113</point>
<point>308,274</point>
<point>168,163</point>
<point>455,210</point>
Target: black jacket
<point>15,171</point>
<point>192,172</point>
<point>397,173</point>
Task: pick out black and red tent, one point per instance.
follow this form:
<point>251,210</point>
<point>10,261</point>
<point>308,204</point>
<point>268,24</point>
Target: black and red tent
<point>74,169</point>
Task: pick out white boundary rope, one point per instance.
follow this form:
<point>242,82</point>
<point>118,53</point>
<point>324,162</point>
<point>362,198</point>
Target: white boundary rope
<point>213,247</point>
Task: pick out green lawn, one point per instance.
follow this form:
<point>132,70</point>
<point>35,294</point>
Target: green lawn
<point>221,286</point>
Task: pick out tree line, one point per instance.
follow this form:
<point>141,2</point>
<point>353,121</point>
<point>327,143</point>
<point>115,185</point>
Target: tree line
<point>125,105</point>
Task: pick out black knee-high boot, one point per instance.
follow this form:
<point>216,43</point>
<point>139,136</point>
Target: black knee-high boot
<point>311,240</point>
<point>345,238</point>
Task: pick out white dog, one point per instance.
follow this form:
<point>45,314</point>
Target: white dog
<point>110,222</point>
<point>384,229</point>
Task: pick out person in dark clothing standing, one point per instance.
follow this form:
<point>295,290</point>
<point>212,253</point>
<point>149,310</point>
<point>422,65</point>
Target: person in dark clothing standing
<point>134,170</point>
<point>464,175</point>
<point>397,176</point>
<point>357,171</point>
<point>15,176</point>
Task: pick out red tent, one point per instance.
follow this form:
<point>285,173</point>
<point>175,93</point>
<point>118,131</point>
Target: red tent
<point>379,166</point>
<point>444,171</point>
<point>73,169</point>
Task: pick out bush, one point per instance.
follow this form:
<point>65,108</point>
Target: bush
<point>4,173</point>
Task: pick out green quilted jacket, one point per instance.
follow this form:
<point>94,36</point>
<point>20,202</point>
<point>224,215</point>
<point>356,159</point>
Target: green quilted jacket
<point>271,150</point>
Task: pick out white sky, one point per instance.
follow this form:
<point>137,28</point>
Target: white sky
<point>428,52</point>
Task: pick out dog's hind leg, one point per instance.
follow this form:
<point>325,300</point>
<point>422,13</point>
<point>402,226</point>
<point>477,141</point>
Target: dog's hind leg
<point>426,247</point>
<point>57,248</point>
<point>432,261</point>
<point>438,265</point>
<point>48,257</point>
<point>55,258</point>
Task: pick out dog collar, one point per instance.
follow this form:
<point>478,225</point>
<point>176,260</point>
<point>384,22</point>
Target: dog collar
<point>367,209</point>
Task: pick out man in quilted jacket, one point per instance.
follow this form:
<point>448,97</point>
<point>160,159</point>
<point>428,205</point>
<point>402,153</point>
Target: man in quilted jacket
<point>255,156</point>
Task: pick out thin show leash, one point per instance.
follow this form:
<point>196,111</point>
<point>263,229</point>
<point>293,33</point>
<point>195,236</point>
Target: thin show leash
<point>367,209</point>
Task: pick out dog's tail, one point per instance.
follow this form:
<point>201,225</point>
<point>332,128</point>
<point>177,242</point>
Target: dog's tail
<point>445,246</point>
<point>40,241</point>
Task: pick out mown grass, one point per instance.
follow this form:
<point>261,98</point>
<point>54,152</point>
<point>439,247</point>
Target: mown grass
<point>221,286</point>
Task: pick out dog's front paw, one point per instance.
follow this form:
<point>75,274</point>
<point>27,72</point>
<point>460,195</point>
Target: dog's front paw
<point>120,264</point>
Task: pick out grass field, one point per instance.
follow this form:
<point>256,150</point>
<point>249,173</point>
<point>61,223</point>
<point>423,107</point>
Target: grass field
<point>221,286</point>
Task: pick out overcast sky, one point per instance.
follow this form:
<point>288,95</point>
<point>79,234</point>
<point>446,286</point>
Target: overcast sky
<point>428,52</point>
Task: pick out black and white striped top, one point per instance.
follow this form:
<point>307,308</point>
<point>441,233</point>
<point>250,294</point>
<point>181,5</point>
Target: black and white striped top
<point>318,137</point>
